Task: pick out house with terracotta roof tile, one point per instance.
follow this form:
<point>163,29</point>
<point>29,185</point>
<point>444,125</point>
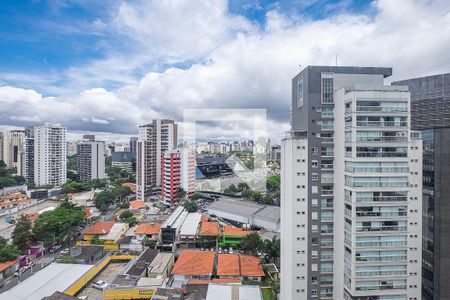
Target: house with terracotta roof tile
<point>8,268</point>
<point>137,204</point>
<point>104,233</point>
<point>148,230</point>
<point>193,264</point>
<point>242,267</point>
<point>208,234</point>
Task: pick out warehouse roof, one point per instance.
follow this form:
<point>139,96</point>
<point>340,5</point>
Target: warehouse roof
<point>237,207</point>
<point>54,277</point>
<point>269,213</point>
<point>190,224</point>
<point>176,218</point>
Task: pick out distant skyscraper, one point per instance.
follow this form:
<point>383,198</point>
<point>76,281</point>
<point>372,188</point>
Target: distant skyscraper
<point>89,137</point>
<point>71,148</point>
<point>13,151</point>
<point>178,171</point>
<point>154,139</point>
<point>50,160</point>
<point>430,113</point>
<point>91,160</point>
<point>133,143</point>
<point>350,189</point>
<point>29,154</point>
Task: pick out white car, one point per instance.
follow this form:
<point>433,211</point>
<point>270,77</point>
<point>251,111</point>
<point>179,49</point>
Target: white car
<point>64,252</point>
<point>101,285</point>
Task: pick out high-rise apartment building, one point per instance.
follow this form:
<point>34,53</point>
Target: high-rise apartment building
<point>91,160</point>
<point>430,114</point>
<point>153,140</point>
<point>50,160</point>
<point>178,171</point>
<point>133,143</point>
<point>29,154</point>
<point>351,189</point>
<point>13,150</point>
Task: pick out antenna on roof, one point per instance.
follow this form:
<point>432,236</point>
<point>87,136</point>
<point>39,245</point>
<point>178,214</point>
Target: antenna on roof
<point>336,60</point>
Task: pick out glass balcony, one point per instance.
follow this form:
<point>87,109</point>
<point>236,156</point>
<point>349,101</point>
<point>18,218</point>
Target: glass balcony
<point>381,124</point>
<point>384,109</point>
<point>381,228</point>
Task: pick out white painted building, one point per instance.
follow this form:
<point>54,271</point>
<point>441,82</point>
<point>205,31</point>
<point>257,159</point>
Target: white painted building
<point>13,150</point>
<point>91,160</point>
<point>350,189</point>
<point>50,160</point>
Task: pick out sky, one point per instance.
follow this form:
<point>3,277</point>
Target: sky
<point>109,66</point>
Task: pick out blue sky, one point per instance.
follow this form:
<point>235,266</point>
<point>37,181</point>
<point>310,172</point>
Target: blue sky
<point>45,38</point>
<point>110,65</point>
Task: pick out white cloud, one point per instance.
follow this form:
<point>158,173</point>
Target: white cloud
<point>240,65</point>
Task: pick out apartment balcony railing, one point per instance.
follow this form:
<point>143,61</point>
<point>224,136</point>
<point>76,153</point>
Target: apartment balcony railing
<point>398,184</point>
<point>381,244</point>
<point>327,153</point>
<point>381,287</point>
<point>327,166</point>
<point>377,169</point>
<point>360,108</point>
<point>381,228</point>
<point>380,258</point>
<point>381,124</point>
<point>381,199</point>
<point>326,180</point>
<point>327,139</point>
<point>381,273</point>
<point>379,154</point>
<point>380,214</point>
<point>384,139</point>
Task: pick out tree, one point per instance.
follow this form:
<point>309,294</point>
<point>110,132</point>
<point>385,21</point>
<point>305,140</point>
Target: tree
<point>19,179</point>
<point>7,251</point>
<point>256,196</point>
<point>180,193</point>
<point>271,249</point>
<point>121,191</point>
<point>190,206</point>
<point>104,199</point>
<point>125,215</point>
<point>7,181</point>
<point>22,235</point>
<point>247,194</point>
<point>252,243</point>
<point>72,162</point>
<point>59,224</point>
<point>242,186</point>
<point>273,183</point>
<point>2,164</point>
<point>196,196</point>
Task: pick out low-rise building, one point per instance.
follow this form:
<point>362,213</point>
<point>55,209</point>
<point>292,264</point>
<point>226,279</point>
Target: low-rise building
<point>148,230</point>
<point>209,234</point>
<point>170,229</point>
<point>242,267</point>
<point>137,204</point>
<point>233,291</point>
<point>189,229</point>
<point>104,233</point>
<point>232,236</point>
<point>193,264</point>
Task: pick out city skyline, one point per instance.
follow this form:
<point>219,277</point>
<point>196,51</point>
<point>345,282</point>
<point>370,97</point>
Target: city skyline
<point>91,84</point>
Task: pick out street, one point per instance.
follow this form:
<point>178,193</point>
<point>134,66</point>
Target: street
<point>44,261</point>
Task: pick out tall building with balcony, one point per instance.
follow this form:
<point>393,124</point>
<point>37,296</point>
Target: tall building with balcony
<point>13,150</point>
<point>153,140</point>
<point>351,189</point>
<point>178,172</point>
<point>50,160</point>
<point>90,160</point>
<point>430,114</point>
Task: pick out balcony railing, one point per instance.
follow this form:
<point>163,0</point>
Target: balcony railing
<point>360,108</point>
<point>381,199</point>
<point>398,184</point>
<point>381,124</point>
<point>381,228</point>
<point>380,154</point>
<point>377,169</point>
<point>382,139</point>
<point>380,214</point>
<point>381,244</point>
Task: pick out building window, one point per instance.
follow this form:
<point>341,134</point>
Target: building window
<point>300,92</point>
<point>314,164</point>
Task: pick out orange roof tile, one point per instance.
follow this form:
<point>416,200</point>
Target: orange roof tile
<point>130,185</point>
<point>13,196</point>
<point>194,262</point>
<point>228,265</point>
<point>251,266</point>
<point>15,202</point>
<point>204,218</point>
<point>99,228</point>
<point>209,229</point>
<point>5,265</point>
<point>229,230</point>
<point>137,204</point>
<point>215,280</point>
<point>146,228</point>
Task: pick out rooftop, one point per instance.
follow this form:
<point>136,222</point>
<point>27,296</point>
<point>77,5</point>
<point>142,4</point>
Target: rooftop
<point>215,280</point>
<point>130,185</point>
<point>194,262</point>
<point>209,229</point>
<point>160,262</point>
<point>167,294</point>
<point>137,204</point>
<point>269,213</point>
<point>5,265</point>
<point>59,296</point>
<point>228,265</point>
<point>99,228</point>
<point>233,292</point>
<point>148,228</point>
<point>116,230</point>
<point>251,265</point>
<point>237,207</point>
<point>176,218</point>
<point>229,230</point>
<point>55,277</point>
<point>190,224</point>
<point>145,258</point>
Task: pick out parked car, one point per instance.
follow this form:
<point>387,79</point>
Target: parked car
<point>64,252</point>
<point>101,285</point>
